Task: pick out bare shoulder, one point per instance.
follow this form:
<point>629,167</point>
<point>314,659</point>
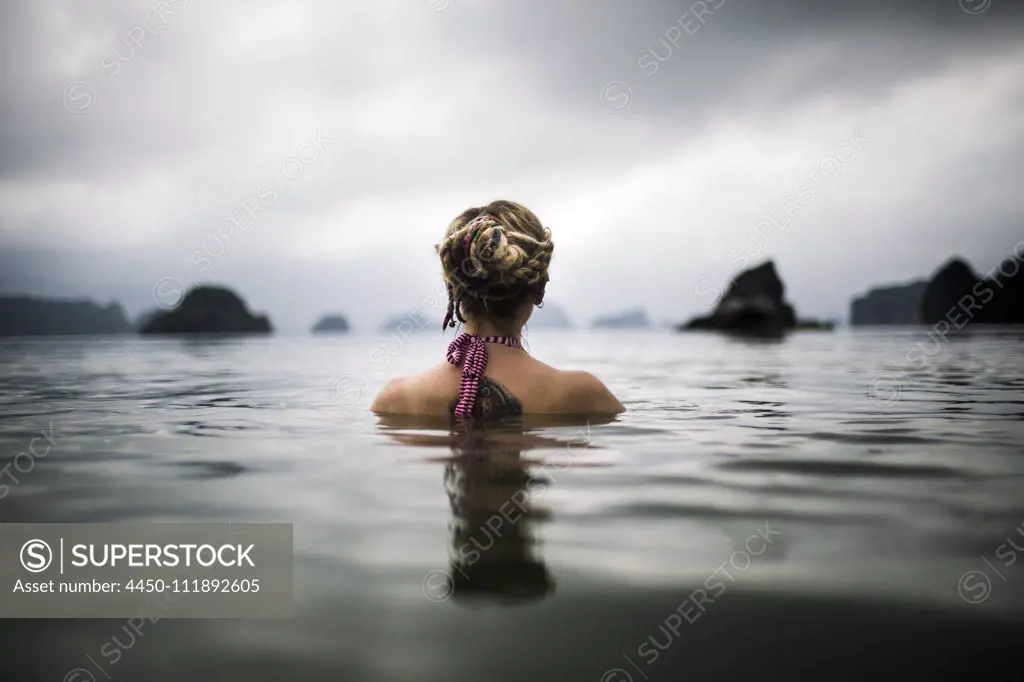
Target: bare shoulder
<point>587,393</point>
<point>392,398</point>
<point>409,395</point>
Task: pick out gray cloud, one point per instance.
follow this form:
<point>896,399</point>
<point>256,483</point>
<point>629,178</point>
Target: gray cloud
<point>172,125</point>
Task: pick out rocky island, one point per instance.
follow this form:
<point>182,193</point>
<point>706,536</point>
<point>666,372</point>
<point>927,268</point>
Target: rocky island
<point>629,319</point>
<point>331,324</point>
<point>754,305</point>
<point>412,321</point>
<point>958,296</point>
<point>892,305</point>
<point>30,316</point>
<point>207,310</point>
<point>954,293</point>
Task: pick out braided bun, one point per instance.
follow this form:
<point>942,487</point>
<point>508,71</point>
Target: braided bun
<point>494,259</point>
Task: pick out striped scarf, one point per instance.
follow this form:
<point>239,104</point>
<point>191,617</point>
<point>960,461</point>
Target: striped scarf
<point>470,353</point>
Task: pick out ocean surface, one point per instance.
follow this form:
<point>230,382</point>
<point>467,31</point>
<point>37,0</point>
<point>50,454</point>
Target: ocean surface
<point>834,506</point>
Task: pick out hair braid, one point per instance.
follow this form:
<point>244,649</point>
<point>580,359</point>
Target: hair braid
<point>498,254</point>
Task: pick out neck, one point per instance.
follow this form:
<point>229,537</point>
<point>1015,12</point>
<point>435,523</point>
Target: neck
<point>487,328</point>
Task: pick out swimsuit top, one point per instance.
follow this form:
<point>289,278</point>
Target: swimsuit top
<point>480,396</point>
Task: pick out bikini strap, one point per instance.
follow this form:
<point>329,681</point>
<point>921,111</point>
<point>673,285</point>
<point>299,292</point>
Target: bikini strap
<point>470,353</point>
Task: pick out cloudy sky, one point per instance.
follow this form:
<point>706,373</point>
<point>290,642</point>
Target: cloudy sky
<point>665,144</point>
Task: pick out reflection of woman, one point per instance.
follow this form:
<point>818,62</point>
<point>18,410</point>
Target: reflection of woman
<point>492,497</point>
<point>492,545</point>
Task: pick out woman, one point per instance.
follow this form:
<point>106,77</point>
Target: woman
<point>495,265</point>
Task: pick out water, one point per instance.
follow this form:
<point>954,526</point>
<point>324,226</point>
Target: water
<point>755,515</point>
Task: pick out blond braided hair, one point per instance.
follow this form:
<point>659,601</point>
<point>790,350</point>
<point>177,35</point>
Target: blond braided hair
<point>493,259</point>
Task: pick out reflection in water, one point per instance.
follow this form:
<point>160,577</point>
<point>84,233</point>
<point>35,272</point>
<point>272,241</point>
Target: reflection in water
<point>492,543</point>
<point>492,497</point>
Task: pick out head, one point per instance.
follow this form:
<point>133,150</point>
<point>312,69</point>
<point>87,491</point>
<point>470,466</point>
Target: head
<point>495,264</point>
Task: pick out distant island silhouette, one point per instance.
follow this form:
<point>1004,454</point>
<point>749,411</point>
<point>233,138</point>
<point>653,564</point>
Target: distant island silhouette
<point>958,296</point>
<point>953,293</point>
<point>331,324</point>
<point>33,316</point>
<point>892,305</point>
<point>207,310</point>
<point>412,321</point>
<point>635,318</point>
<point>754,304</point>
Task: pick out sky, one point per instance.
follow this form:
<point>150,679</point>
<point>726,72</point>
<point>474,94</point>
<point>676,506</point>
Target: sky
<point>309,154</point>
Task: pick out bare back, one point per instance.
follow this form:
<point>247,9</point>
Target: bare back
<point>513,383</point>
